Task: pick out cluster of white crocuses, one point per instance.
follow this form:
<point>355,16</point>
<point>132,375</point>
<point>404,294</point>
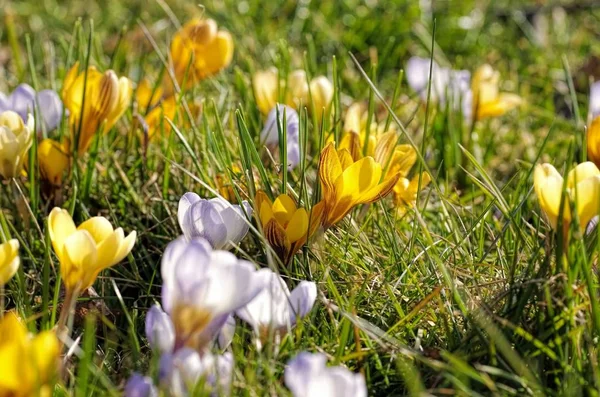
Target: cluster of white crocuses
<point>204,289</point>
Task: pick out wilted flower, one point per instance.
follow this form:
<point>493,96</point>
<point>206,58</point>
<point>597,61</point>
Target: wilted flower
<point>85,251</point>
<point>270,133</point>
<point>140,386</point>
<point>447,85</point>
<point>23,102</point>
<point>107,97</point>
<point>181,373</point>
<point>286,227</point>
<point>216,220</point>
<point>347,183</point>
<point>16,138</point>
<point>28,362</point>
<point>582,186</point>
<point>593,132</point>
<point>208,49</point>
<point>298,90</point>
<point>53,159</point>
<point>307,375</point>
<point>276,309</point>
<point>9,260</point>
<point>488,101</point>
<point>202,287</point>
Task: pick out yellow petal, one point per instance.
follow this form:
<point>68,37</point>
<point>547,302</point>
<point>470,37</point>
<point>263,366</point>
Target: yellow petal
<point>124,94</point>
<point>8,252</point>
<point>379,191</point>
<point>548,186</point>
<point>80,249</point>
<point>346,159</point>
<point>53,161</point>
<point>108,249</point>
<point>60,227</point>
<point>12,121</point>
<point>45,349</point>
<point>125,247</point>
<point>69,80</point>
<point>297,89</point>
<point>351,143</point>
<point>352,120</point>
<point>581,172</point>
<point>330,169</point>
<point>12,329</point>
<point>403,159</point>
<point>385,147</point>
<point>264,84</point>
<point>263,207</point>
<point>284,208</point>
<point>9,270</point>
<point>297,226</point>
<point>593,141</point>
<point>358,178</point>
<point>99,228</point>
<point>587,195</point>
<point>321,91</point>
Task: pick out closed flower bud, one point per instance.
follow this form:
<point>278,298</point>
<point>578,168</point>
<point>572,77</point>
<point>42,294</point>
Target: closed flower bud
<point>107,97</point>
<point>270,133</point>
<point>488,101</point>
<point>16,138</point>
<point>321,91</point>
<point>53,159</point>
<point>265,86</point>
<point>9,260</point>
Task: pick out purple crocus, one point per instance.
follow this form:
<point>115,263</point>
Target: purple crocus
<point>181,372</point>
<point>159,330</point>
<point>216,220</point>
<point>594,110</point>
<point>307,375</point>
<point>140,386</point>
<point>23,100</point>
<point>203,287</point>
<point>270,133</point>
<point>276,308</point>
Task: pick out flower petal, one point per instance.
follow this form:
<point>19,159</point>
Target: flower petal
<point>99,228</point>
<point>60,226</point>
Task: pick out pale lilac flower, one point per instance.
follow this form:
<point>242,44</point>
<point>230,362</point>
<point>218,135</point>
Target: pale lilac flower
<point>446,84</point>
<point>202,287</point>
<point>594,110</point>
<point>270,133</point>
<point>181,372</point>
<point>23,99</point>
<point>225,336</point>
<point>275,308</point>
<point>160,330</point>
<point>140,386</point>
<point>216,220</point>
<point>307,376</point>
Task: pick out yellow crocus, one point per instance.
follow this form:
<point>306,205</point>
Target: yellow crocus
<point>27,363</point>
<point>203,47</point>
<point>86,250</point>
<point>593,141</point>
<point>298,89</point>
<point>582,187</point>
<point>347,183</point>
<point>53,159</point>
<point>9,261</point>
<point>146,96</point>
<point>488,101</point>
<point>405,191</point>
<point>16,138</point>
<point>107,97</point>
<point>286,227</point>
<point>155,118</point>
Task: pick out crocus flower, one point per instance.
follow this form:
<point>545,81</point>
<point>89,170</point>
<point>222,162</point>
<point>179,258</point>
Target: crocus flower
<point>285,226</point>
<point>307,375</point>
<point>16,138</point>
<point>107,97</point>
<point>160,330</point>
<point>9,260</point>
<point>270,133</point>
<point>582,186</point>
<point>181,373</point>
<point>447,85</point>
<point>405,191</point>
<point>488,101</point>
<point>155,119</point>
<point>298,90</point>
<point>216,220</point>
<point>28,362</point>
<point>347,183</point>
<point>208,49</point>
<point>202,287</point>
<point>86,250</point>
<point>53,159</point>
<point>276,308</point>
<point>593,132</point>
<point>140,386</point>
<point>23,100</point>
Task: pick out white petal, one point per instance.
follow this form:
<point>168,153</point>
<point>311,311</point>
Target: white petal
<point>301,370</point>
<point>159,330</point>
<point>270,307</point>
<point>203,220</point>
<point>233,218</point>
<point>185,202</point>
<point>595,100</point>
<point>302,299</point>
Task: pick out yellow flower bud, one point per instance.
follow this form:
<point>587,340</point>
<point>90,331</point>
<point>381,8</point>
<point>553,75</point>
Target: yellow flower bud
<point>286,227</point>
<point>297,89</point>
<point>27,362</point>
<point>405,191</point>
<point>9,260</point>
<point>582,187</point>
<point>156,117</point>
<point>321,91</point>
<point>16,138</point>
<point>488,101</point>
<point>264,84</point>
<point>347,183</point>
<point>53,159</point>
<point>208,49</point>
<point>85,251</point>
<point>107,97</point>
<point>593,141</point>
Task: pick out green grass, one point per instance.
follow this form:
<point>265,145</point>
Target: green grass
<point>469,294</point>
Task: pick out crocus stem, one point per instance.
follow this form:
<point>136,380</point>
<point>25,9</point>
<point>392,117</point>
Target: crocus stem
<point>64,325</point>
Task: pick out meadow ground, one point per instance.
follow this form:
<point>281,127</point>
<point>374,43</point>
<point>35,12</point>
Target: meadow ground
<point>471,292</point>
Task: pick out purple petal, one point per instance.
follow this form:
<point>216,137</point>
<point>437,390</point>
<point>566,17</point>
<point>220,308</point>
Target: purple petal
<point>159,330</point>
<point>185,202</point>
<point>51,108</point>
<point>302,298</point>
<point>140,386</point>
<point>22,100</point>
<point>595,100</point>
